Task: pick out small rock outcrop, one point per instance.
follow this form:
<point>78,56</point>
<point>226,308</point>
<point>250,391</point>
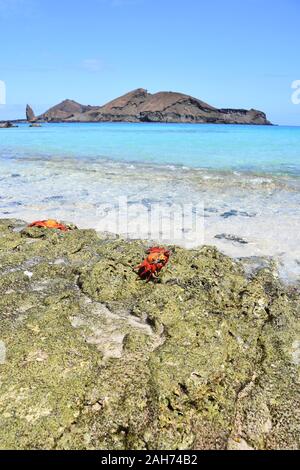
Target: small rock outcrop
<point>141,106</point>
<point>30,116</point>
<point>7,125</point>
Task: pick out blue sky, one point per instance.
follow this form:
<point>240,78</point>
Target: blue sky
<point>229,53</point>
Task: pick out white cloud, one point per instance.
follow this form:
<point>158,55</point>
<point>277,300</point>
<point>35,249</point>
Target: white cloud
<point>92,65</point>
<point>121,3</point>
<point>10,8</point>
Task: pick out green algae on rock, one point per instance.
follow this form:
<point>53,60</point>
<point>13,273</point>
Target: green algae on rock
<point>91,358</point>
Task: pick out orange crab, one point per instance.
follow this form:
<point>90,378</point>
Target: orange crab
<point>152,265</point>
<point>49,223</point>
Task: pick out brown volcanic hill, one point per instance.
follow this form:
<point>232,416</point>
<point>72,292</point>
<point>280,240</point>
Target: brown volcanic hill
<point>164,99</point>
<point>130,100</point>
<point>64,111</point>
<point>125,108</point>
<point>141,106</point>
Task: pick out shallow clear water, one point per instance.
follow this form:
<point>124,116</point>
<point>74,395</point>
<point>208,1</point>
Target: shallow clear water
<point>244,180</point>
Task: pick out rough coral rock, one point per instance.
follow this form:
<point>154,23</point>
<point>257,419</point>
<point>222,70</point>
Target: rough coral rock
<point>91,358</point>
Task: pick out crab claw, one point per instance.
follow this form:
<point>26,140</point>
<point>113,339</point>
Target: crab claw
<point>150,268</point>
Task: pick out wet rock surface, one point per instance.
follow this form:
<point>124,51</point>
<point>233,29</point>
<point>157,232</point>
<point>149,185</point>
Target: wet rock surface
<point>231,238</point>
<point>91,358</point>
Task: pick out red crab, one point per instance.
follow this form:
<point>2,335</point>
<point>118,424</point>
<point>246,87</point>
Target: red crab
<point>152,265</point>
<point>50,223</point>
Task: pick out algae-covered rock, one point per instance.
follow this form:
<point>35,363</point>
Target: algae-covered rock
<point>93,358</point>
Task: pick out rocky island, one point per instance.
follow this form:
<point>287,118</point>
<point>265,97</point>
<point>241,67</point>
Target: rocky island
<point>141,106</point>
<point>91,358</point>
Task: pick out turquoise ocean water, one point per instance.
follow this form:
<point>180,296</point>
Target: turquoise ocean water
<point>246,177</point>
<point>248,148</point>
